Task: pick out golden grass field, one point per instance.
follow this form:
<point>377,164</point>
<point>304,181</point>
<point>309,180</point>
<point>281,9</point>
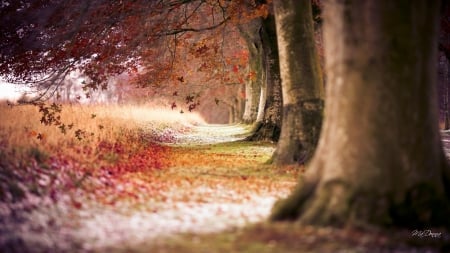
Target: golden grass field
<point>20,126</point>
<point>86,141</point>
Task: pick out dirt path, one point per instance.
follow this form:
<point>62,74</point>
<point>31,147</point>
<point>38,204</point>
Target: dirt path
<point>211,181</point>
<point>199,193</point>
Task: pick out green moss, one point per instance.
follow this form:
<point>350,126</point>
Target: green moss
<point>259,152</point>
<point>253,156</point>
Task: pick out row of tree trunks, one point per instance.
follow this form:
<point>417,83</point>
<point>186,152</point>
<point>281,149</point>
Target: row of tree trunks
<point>268,123</point>
<point>302,83</point>
<point>298,98</point>
<point>380,159</point>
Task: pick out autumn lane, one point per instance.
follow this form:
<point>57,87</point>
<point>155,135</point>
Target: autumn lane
<point>206,179</point>
<point>209,184</point>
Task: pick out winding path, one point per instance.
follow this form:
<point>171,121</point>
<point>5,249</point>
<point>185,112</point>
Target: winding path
<point>214,182</point>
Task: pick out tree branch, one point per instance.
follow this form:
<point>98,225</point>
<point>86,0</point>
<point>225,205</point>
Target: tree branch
<point>191,29</point>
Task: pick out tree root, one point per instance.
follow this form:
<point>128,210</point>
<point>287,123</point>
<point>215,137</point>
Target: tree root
<point>291,207</point>
<point>265,132</point>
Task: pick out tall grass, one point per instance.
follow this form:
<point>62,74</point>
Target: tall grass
<point>20,125</point>
<point>93,137</point>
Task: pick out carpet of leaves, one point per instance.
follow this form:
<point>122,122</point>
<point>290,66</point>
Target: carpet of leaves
<point>193,189</point>
<point>135,190</point>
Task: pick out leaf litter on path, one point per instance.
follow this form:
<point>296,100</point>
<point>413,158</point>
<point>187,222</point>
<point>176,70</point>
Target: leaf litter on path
<point>209,181</point>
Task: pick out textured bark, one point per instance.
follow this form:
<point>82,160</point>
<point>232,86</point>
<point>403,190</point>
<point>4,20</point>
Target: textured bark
<point>253,87</point>
<point>262,101</point>
<point>380,159</point>
<point>444,82</point>
<point>302,85</point>
<point>269,126</point>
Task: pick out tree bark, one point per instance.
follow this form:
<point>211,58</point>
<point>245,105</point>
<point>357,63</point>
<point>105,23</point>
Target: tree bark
<point>262,101</point>
<point>380,159</point>
<point>253,86</point>
<point>268,127</point>
<point>446,82</point>
<point>302,85</point>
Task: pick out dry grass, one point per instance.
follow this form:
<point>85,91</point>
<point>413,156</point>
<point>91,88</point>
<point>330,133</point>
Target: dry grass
<point>20,125</point>
<point>87,141</point>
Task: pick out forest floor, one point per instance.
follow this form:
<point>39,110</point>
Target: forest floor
<point>193,188</point>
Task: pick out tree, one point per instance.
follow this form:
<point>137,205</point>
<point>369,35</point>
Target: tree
<point>444,41</point>
<point>45,40</point>
<point>268,126</point>
<point>444,61</point>
<point>151,41</point>
<point>302,85</point>
<point>379,160</point>
<point>253,86</point>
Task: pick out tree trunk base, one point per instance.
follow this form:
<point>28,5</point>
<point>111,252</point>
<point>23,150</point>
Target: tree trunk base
<point>338,203</point>
<point>265,132</point>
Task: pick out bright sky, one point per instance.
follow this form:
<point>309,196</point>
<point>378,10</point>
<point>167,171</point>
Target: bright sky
<point>9,91</point>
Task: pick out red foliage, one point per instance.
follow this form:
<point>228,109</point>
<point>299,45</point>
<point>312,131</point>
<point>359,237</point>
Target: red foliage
<point>166,45</point>
<point>152,157</point>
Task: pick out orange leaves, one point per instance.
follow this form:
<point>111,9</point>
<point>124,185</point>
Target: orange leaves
<point>38,136</point>
<point>262,11</point>
<point>243,57</point>
<point>32,133</point>
<point>131,176</point>
<point>128,174</point>
<point>251,75</point>
<point>244,13</point>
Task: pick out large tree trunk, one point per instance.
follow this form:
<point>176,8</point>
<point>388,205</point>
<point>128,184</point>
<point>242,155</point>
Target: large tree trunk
<point>380,159</point>
<point>253,86</point>
<point>269,125</point>
<point>444,70</point>
<point>262,100</point>
<point>302,83</point>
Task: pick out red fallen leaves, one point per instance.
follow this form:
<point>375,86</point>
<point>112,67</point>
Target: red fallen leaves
<point>128,177</point>
<point>131,170</point>
<point>153,157</point>
<point>77,204</point>
<point>82,171</point>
